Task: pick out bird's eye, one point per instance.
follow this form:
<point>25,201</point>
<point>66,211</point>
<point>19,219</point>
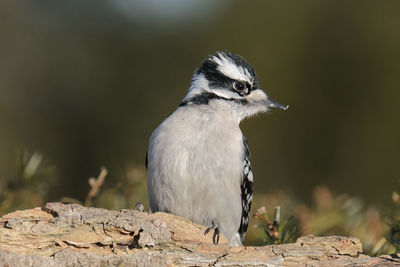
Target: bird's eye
<point>239,86</point>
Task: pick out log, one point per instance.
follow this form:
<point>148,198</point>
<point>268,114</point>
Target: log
<point>72,235</point>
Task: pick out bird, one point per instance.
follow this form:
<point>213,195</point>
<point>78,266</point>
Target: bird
<point>198,160</point>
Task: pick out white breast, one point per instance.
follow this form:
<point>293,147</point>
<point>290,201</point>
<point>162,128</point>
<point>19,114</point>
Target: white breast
<point>195,167</point>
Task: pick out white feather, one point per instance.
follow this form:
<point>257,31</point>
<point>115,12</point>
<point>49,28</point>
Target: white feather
<point>195,167</point>
<point>227,67</point>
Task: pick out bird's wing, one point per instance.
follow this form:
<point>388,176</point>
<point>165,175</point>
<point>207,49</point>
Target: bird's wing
<point>247,191</point>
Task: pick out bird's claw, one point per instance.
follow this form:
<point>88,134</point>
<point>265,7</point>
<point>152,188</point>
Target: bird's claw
<point>140,207</point>
<point>216,232</point>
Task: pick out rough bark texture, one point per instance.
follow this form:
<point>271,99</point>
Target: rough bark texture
<point>72,235</point>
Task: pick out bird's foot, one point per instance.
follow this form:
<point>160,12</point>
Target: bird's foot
<point>216,232</point>
<point>140,207</point>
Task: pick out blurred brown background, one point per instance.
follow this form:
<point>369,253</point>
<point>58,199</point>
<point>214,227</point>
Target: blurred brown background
<point>84,83</point>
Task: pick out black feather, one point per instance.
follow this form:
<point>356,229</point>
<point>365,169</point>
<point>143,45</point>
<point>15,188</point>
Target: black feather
<point>146,162</point>
<point>217,79</point>
<point>247,191</point>
<point>204,99</point>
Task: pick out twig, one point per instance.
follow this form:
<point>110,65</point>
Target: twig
<point>277,215</point>
<point>95,184</point>
<point>378,246</point>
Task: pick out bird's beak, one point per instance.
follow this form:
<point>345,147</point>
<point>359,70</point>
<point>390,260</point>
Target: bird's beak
<point>259,97</point>
<point>273,104</point>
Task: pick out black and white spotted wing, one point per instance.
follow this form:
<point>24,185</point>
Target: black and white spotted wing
<point>247,191</point>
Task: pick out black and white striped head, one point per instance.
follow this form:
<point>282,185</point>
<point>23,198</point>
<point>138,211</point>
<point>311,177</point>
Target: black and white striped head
<point>227,79</point>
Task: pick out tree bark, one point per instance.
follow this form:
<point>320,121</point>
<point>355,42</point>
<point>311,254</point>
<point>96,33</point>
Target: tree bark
<point>72,235</point>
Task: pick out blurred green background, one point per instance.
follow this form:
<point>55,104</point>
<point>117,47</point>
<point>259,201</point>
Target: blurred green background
<point>84,83</point>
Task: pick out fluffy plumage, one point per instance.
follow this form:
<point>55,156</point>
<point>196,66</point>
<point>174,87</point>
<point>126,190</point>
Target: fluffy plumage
<point>198,159</point>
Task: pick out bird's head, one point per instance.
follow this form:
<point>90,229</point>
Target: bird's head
<point>228,78</point>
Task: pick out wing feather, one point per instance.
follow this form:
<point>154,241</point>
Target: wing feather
<point>247,191</point>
